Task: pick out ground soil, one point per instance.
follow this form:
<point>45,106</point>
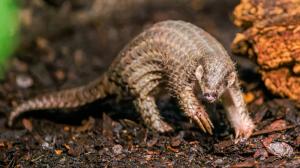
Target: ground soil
<point>107,133</point>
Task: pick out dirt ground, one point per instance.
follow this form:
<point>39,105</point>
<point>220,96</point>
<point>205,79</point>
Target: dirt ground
<point>58,52</point>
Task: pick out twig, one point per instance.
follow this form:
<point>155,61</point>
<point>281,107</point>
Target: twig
<point>37,158</point>
<point>267,131</point>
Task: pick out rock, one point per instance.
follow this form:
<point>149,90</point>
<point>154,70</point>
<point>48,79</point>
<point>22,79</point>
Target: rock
<point>117,149</point>
<point>280,149</point>
<point>24,81</point>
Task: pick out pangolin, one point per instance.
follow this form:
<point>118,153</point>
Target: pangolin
<point>178,54</point>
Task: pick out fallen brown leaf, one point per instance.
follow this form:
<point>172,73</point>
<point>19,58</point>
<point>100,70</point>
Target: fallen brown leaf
<point>248,97</point>
<point>87,125</point>
<point>27,124</point>
<point>151,152</point>
<point>67,146</point>
<point>175,141</point>
<point>298,140</point>
<point>251,163</point>
<point>107,126</point>
<point>172,149</point>
<point>277,125</point>
<point>2,145</point>
<point>223,144</point>
<point>261,154</point>
<point>66,128</point>
<point>58,151</point>
<point>267,131</point>
<point>267,141</point>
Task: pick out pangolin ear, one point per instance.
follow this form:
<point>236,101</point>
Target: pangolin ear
<point>199,72</point>
<point>231,78</point>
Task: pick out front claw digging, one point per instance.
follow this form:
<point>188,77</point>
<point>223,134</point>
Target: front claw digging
<point>202,120</point>
<point>243,132</point>
<point>204,123</point>
<point>237,112</point>
<point>193,108</point>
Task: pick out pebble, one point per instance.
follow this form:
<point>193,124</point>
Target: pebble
<point>219,161</point>
<point>46,145</point>
<point>48,138</point>
<point>24,81</point>
<point>62,160</point>
<point>280,149</point>
<point>117,149</point>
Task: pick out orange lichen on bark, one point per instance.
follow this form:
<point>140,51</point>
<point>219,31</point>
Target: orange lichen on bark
<point>274,46</point>
<point>272,38</point>
<point>283,83</point>
<point>265,12</point>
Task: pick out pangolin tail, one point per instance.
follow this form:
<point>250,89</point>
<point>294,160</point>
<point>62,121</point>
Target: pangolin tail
<point>69,98</point>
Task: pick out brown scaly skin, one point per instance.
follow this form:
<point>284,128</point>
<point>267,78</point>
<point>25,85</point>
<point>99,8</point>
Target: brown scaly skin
<point>179,54</point>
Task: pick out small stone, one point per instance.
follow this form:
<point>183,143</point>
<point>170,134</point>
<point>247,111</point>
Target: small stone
<point>148,157</point>
<point>24,81</point>
<point>280,149</point>
<point>219,161</point>
<point>117,149</point>
<point>117,127</point>
<point>45,145</point>
<point>62,160</point>
<point>48,138</point>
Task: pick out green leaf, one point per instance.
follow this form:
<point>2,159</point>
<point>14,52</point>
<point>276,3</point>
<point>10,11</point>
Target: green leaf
<point>8,31</point>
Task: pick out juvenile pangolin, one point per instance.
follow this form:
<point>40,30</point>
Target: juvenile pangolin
<point>188,60</point>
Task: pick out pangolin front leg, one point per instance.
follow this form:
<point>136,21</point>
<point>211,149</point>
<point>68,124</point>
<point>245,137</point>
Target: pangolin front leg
<point>237,112</point>
<point>194,109</point>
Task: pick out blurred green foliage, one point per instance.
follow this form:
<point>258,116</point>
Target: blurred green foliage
<point>8,31</point>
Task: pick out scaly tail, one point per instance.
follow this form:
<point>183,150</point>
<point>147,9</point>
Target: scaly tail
<point>69,98</point>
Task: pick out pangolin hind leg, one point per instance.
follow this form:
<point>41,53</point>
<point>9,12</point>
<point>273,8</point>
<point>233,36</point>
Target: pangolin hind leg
<point>150,114</point>
<point>146,105</point>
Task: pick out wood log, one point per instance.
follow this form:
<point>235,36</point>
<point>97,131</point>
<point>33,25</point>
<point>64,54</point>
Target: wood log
<point>271,37</point>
